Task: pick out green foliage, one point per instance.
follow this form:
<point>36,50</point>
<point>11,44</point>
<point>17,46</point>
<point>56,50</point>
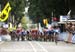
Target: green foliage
<point>39,9</point>
<point>24,26</point>
<point>18,7</point>
<point>24,22</point>
<point>44,8</point>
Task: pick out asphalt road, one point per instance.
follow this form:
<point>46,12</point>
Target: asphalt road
<point>35,46</point>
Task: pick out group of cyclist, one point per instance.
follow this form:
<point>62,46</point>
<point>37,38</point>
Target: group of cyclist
<point>50,34</point>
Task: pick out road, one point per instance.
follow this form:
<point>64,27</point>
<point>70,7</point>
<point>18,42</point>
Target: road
<point>35,46</point>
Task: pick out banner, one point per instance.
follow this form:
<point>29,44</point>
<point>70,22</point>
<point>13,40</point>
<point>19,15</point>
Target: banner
<point>5,12</point>
<point>63,18</point>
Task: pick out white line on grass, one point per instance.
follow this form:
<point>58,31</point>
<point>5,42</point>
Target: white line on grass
<point>32,47</point>
<point>41,46</point>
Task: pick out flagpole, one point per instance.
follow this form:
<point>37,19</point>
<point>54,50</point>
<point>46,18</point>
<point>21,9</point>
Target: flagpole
<point>68,15</point>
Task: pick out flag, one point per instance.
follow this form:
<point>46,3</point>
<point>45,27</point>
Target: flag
<point>5,12</point>
<point>68,14</point>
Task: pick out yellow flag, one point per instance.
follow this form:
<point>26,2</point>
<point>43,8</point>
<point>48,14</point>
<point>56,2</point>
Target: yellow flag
<point>5,12</point>
<point>45,21</point>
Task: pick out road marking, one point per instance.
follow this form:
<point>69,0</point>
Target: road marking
<point>32,47</point>
<point>41,46</point>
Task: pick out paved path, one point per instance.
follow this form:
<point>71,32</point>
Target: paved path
<point>36,46</point>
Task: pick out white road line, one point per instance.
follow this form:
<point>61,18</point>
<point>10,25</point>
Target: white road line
<point>33,47</point>
<point>41,47</point>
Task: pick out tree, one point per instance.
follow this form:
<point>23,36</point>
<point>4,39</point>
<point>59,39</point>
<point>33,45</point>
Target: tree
<point>18,7</point>
<point>39,9</point>
<point>3,3</point>
<point>24,22</point>
<point>34,10</point>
